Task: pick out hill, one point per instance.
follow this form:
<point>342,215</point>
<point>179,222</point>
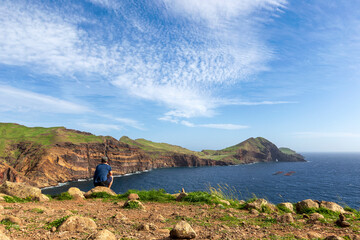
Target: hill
<point>48,156</point>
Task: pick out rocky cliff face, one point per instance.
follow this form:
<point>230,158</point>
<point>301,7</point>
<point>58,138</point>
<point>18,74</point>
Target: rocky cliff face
<point>61,162</point>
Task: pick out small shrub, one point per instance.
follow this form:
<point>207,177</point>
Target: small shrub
<point>132,205</point>
<point>63,196</point>
<point>14,199</point>
<point>265,209</point>
<point>201,197</point>
<point>152,195</point>
<point>56,223</point>
<point>101,195</point>
<point>9,224</point>
<point>37,210</point>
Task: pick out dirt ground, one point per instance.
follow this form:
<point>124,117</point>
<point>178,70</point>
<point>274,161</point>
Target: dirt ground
<point>209,222</point>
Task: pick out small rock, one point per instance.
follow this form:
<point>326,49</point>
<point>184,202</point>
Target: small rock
<point>225,202</point>
<point>181,196</point>
<point>182,230</point>
<point>286,218</point>
<point>79,224</point>
<point>53,229</point>
<point>333,237</point>
<point>257,204</point>
<point>242,202</point>
<point>312,235</point>
<point>163,231</point>
<point>144,227</point>
<point>254,211</point>
<point>157,217</point>
<point>12,219</point>
<point>133,196</point>
<point>272,207</point>
<point>103,235</point>
<point>42,198</point>
<point>76,193</point>
<point>341,222</point>
<point>316,216</point>
<point>288,205</point>
<point>306,204</point>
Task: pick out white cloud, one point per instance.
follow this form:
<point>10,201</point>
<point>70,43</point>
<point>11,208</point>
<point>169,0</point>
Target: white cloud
<point>226,126</point>
<point>215,11</point>
<point>182,75</point>
<point>12,99</point>
<point>327,135</point>
<point>31,36</point>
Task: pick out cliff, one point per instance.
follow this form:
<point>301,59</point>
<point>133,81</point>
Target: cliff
<point>47,156</point>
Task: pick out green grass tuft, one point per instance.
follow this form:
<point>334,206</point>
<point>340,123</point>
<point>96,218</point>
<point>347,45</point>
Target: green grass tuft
<point>14,199</point>
<point>9,224</point>
<point>150,196</point>
<point>63,196</point>
<point>132,205</point>
<point>56,223</point>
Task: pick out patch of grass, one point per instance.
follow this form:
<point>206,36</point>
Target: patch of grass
<point>265,209</point>
<point>150,196</point>
<point>14,199</point>
<point>101,195</point>
<point>224,192</point>
<point>63,196</point>
<point>231,220</point>
<point>201,197</point>
<point>132,205</point>
<point>323,211</point>
<point>8,208</point>
<point>56,223</point>
<point>9,224</point>
<point>37,210</point>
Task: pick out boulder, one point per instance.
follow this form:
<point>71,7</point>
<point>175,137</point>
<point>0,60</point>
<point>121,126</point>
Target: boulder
<point>287,205</point>
<point>78,224</point>
<point>306,204</point>
<point>76,193</point>
<point>20,190</point>
<point>182,230</point>
<point>99,189</point>
<point>316,216</point>
<point>286,218</point>
<point>42,198</point>
<point>332,206</point>
<point>103,235</point>
<point>257,204</point>
<point>133,196</point>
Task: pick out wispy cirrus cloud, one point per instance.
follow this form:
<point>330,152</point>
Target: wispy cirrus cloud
<point>181,66</point>
<point>224,126</point>
<point>13,99</point>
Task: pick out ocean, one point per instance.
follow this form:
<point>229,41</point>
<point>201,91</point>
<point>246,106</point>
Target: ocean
<point>326,176</point>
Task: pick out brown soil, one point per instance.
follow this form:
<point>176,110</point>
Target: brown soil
<point>209,222</point>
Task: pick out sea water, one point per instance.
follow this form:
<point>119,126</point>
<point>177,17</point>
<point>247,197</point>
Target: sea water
<point>326,176</point>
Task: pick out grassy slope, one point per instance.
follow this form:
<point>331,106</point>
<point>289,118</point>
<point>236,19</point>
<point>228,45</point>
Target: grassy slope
<point>11,133</point>
<point>158,148</point>
<point>287,150</point>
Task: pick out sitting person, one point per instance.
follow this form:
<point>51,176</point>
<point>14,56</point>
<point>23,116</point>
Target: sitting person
<point>103,174</point>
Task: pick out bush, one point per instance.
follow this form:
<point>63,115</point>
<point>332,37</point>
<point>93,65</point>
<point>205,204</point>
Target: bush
<point>56,223</point>
<point>132,205</point>
<point>200,197</point>
<point>63,196</point>
<point>152,195</point>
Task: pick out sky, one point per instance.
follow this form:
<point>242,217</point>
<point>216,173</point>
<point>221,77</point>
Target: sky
<point>202,74</point>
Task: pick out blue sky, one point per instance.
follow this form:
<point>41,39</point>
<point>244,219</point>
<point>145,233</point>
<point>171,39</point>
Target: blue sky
<point>200,74</point>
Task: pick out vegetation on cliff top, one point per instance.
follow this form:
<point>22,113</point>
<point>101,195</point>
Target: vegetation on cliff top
<point>11,133</point>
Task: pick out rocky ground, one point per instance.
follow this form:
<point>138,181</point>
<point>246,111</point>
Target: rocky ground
<point>209,222</point>
<point>106,218</point>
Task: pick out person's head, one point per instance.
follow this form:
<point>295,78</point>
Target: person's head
<point>104,160</point>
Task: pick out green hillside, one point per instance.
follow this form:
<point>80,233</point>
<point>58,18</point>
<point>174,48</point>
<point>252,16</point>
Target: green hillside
<point>158,148</point>
<point>287,150</point>
<point>11,133</point>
